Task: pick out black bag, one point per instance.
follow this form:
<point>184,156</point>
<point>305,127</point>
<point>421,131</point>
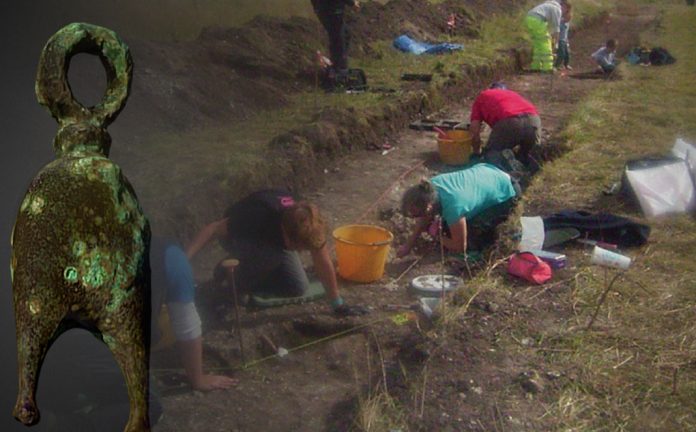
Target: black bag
<point>660,57</point>
<point>355,79</point>
<point>639,55</point>
<point>604,227</point>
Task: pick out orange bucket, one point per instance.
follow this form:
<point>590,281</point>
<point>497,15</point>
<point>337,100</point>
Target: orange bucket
<point>455,147</point>
<point>164,326</point>
<point>361,251</point>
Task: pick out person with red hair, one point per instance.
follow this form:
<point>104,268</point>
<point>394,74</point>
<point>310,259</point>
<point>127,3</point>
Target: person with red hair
<point>265,231</point>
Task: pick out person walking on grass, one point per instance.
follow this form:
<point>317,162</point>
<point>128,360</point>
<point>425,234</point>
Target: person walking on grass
<point>563,51</point>
<point>470,202</point>
<point>331,15</point>
<point>265,231</point>
<point>543,23</point>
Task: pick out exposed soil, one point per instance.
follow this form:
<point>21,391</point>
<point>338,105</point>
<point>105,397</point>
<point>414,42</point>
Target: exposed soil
<point>229,77</point>
<point>177,85</point>
<point>472,384</point>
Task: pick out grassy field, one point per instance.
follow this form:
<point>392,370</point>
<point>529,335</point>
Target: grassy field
<point>638,373</point>
<point>635,369</point>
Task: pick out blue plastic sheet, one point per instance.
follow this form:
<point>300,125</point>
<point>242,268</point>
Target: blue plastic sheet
<point>406,44</point>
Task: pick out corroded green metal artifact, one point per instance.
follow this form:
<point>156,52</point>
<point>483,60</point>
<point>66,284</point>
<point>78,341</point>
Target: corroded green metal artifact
<point>80,243</point>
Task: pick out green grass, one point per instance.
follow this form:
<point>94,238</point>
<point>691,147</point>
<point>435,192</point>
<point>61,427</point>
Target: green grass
<point>379,412</point>
<point>636,371</point>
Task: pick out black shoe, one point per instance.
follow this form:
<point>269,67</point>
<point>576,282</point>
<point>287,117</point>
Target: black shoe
<point>511,162</point>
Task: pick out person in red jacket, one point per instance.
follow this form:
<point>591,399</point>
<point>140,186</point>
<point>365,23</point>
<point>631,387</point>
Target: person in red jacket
<point>513,120</point>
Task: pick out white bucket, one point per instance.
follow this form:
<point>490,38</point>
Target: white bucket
<point>430,306</point>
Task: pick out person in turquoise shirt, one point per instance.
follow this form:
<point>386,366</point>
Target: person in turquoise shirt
<point>471,200</point>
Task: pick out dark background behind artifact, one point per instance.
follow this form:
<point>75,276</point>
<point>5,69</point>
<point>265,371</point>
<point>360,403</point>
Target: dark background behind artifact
<point>28,131</point>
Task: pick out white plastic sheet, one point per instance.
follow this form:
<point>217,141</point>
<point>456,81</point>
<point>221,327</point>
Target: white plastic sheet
<point>663,189</point>
<point>532,233</point>
<point>686,151</point>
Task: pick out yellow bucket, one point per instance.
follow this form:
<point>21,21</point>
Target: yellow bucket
<point>164,326</point>
<point>361,251</point>
<point>455,148</point>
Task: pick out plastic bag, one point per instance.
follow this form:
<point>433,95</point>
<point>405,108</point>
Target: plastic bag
<point>660,185</point>
<point>529,267</point>
<point>532,233</point>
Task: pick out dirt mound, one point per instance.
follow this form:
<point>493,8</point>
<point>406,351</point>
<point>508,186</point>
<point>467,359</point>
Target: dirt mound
<point>230,78</point>
<point>233,73</point>
<point>419,19</point>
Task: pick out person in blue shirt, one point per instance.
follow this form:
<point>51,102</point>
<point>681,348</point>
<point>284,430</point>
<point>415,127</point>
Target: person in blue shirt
<point>467,201</point>
<point>605,57</point>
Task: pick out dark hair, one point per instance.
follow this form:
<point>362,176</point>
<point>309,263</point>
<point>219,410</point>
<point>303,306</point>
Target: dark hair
<point>418,197</point>
<point>611,43</point>
<point>498,85</point>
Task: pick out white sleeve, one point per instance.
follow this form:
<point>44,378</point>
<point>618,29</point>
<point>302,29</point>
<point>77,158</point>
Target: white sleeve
<point>184,319</point>
<point>554,19</point>
<point>595,55</point>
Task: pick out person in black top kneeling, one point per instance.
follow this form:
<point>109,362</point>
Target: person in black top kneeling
<point>265,231</point>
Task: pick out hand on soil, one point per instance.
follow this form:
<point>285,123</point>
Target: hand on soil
<point>214,382</point>
<point>434,228</point>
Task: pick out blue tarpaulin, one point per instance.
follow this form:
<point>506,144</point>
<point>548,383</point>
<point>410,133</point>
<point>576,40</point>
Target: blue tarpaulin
<point>406,44</point>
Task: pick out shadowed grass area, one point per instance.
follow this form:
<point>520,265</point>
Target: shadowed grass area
<point>634,370</point>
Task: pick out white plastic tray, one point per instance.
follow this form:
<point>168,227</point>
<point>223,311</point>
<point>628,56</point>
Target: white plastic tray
<point>433,284</point>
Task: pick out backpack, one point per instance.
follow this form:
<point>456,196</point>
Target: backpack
<point>639,55</point>
<point>354,80</point>
<point>660,57</point>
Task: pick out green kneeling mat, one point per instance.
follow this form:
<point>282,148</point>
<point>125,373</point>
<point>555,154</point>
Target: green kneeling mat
<point>264,300</point>
<point>559,236</point>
